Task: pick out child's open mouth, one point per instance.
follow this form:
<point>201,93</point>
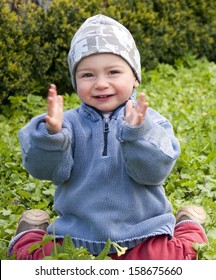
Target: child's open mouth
<point>104,97</point>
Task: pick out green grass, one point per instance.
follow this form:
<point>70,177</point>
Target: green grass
<point>184,93</point>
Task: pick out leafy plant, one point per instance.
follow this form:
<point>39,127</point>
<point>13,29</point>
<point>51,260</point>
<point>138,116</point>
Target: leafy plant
<point>206,251</point>
<point>184,93</point>
<point>67,250</point>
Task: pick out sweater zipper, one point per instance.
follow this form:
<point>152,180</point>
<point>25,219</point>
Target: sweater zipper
<point>105,131</point>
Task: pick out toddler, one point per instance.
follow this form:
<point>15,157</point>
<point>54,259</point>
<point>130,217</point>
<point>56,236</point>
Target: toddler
<point>108,158</point>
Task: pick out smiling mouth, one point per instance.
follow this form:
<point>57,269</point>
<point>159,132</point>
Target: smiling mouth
<point>103,96</point>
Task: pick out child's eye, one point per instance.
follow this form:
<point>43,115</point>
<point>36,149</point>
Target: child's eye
<point>113,72</point>
<point>87,75</point>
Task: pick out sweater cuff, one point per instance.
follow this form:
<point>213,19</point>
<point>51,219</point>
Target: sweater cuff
<point>40,137</point>
<point>51,142</point>
<point>129,133</point>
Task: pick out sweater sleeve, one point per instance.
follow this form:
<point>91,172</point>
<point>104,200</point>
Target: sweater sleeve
<point>150,149</point>
<point>45,156</point>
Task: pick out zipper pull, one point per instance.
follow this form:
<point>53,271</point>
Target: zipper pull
<point>106,125</point>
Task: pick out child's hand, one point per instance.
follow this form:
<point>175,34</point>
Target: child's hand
<point>134,115</point>
<point>54,117</point>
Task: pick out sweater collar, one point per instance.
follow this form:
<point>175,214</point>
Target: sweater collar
<point>96,115</point>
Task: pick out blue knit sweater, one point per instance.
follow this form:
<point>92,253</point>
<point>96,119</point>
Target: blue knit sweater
<point>109,175</point>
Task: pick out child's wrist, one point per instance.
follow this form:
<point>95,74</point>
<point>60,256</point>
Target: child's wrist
<point>52,130</point>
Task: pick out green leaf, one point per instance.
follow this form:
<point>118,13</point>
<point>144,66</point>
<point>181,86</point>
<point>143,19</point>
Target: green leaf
<point>34,247</point>
<point>46,239</point>
<point>68,245</point>
<point>105,251</point>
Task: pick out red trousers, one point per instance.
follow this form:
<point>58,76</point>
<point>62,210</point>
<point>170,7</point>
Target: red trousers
<point>154,248</point>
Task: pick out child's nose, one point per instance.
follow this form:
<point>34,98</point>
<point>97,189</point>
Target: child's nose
<point>101,82</point>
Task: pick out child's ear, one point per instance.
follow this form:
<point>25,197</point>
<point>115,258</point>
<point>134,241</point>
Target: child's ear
<point>136,83</point>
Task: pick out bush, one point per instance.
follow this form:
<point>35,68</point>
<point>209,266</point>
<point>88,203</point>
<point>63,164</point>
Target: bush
<point>35,41</point>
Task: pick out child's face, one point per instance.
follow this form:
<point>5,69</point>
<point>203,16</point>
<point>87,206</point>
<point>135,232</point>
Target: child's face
<point>104,81</point>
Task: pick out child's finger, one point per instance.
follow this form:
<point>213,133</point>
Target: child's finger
<point>53,86</point>
<point>142,96</point>
<point>142,104</point>
<point>60,101</point>
<point>52,90</point>
<point>141,99</point>
<point>50,105</point>
<point>53,100</point>
<point>129,107</point>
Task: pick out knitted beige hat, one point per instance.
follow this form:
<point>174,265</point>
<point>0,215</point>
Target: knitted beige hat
<point>102,34</point>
